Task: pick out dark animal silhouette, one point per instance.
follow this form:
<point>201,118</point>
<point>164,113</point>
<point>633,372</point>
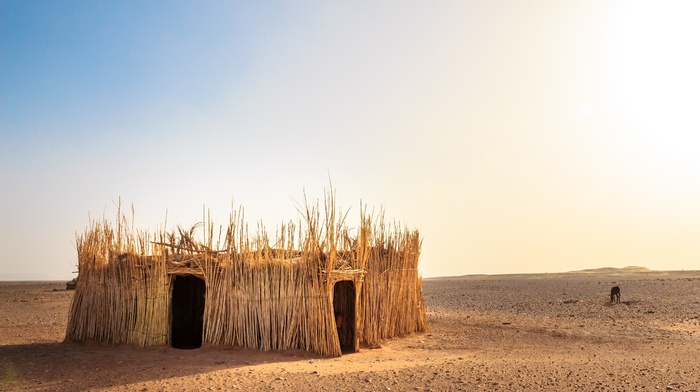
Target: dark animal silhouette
<point>615,294</point>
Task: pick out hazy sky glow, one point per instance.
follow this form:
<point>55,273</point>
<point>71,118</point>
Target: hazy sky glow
<point>517,136</point>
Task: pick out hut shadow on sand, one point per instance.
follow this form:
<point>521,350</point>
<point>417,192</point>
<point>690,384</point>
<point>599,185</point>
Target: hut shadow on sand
<point>83,366</point>
<point>317,289</point>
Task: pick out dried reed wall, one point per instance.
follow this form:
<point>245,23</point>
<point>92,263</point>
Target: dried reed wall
<point>122,296</point>
<point>257,295</point>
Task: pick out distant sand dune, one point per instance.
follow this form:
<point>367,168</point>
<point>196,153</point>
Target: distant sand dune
<point>610,271</point>
<point>614,270</point>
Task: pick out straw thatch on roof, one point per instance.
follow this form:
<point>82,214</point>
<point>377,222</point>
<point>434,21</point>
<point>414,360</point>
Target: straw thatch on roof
<point>148,289</point>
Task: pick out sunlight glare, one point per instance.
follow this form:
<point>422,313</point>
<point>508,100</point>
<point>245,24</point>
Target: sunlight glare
<point>656,83</point>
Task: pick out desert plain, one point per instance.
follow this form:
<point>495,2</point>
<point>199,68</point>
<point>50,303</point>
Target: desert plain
<point>527,332</point>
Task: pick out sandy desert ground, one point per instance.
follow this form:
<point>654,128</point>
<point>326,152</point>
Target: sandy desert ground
<point>550,332</point>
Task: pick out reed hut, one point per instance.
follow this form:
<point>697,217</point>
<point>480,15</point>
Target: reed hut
<point>313,287</point>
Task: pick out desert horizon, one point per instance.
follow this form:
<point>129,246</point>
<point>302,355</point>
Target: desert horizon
<point>494,332</point>
<point>599,270</point>
<point>631,268</point>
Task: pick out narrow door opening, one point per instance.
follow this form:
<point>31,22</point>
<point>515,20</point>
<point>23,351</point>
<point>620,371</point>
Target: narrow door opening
<point>344,311</point>
<point>187,312</point>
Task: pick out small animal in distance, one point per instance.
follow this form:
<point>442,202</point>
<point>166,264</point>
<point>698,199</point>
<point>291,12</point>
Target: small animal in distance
<point>615,294</point>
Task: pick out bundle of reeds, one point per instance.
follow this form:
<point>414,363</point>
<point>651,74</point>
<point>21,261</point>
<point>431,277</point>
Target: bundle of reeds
<point>122,294</point>
<point>392,288</point>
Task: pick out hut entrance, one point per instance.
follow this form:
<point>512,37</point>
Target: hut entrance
<point>344,311</point>
<point>187,312</point>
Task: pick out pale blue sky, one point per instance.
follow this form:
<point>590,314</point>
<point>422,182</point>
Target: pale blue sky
<point>535,136</point>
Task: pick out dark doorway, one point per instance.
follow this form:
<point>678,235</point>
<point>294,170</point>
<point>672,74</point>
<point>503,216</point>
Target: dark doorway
<point>187,311</point>
<point>344,311</point>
